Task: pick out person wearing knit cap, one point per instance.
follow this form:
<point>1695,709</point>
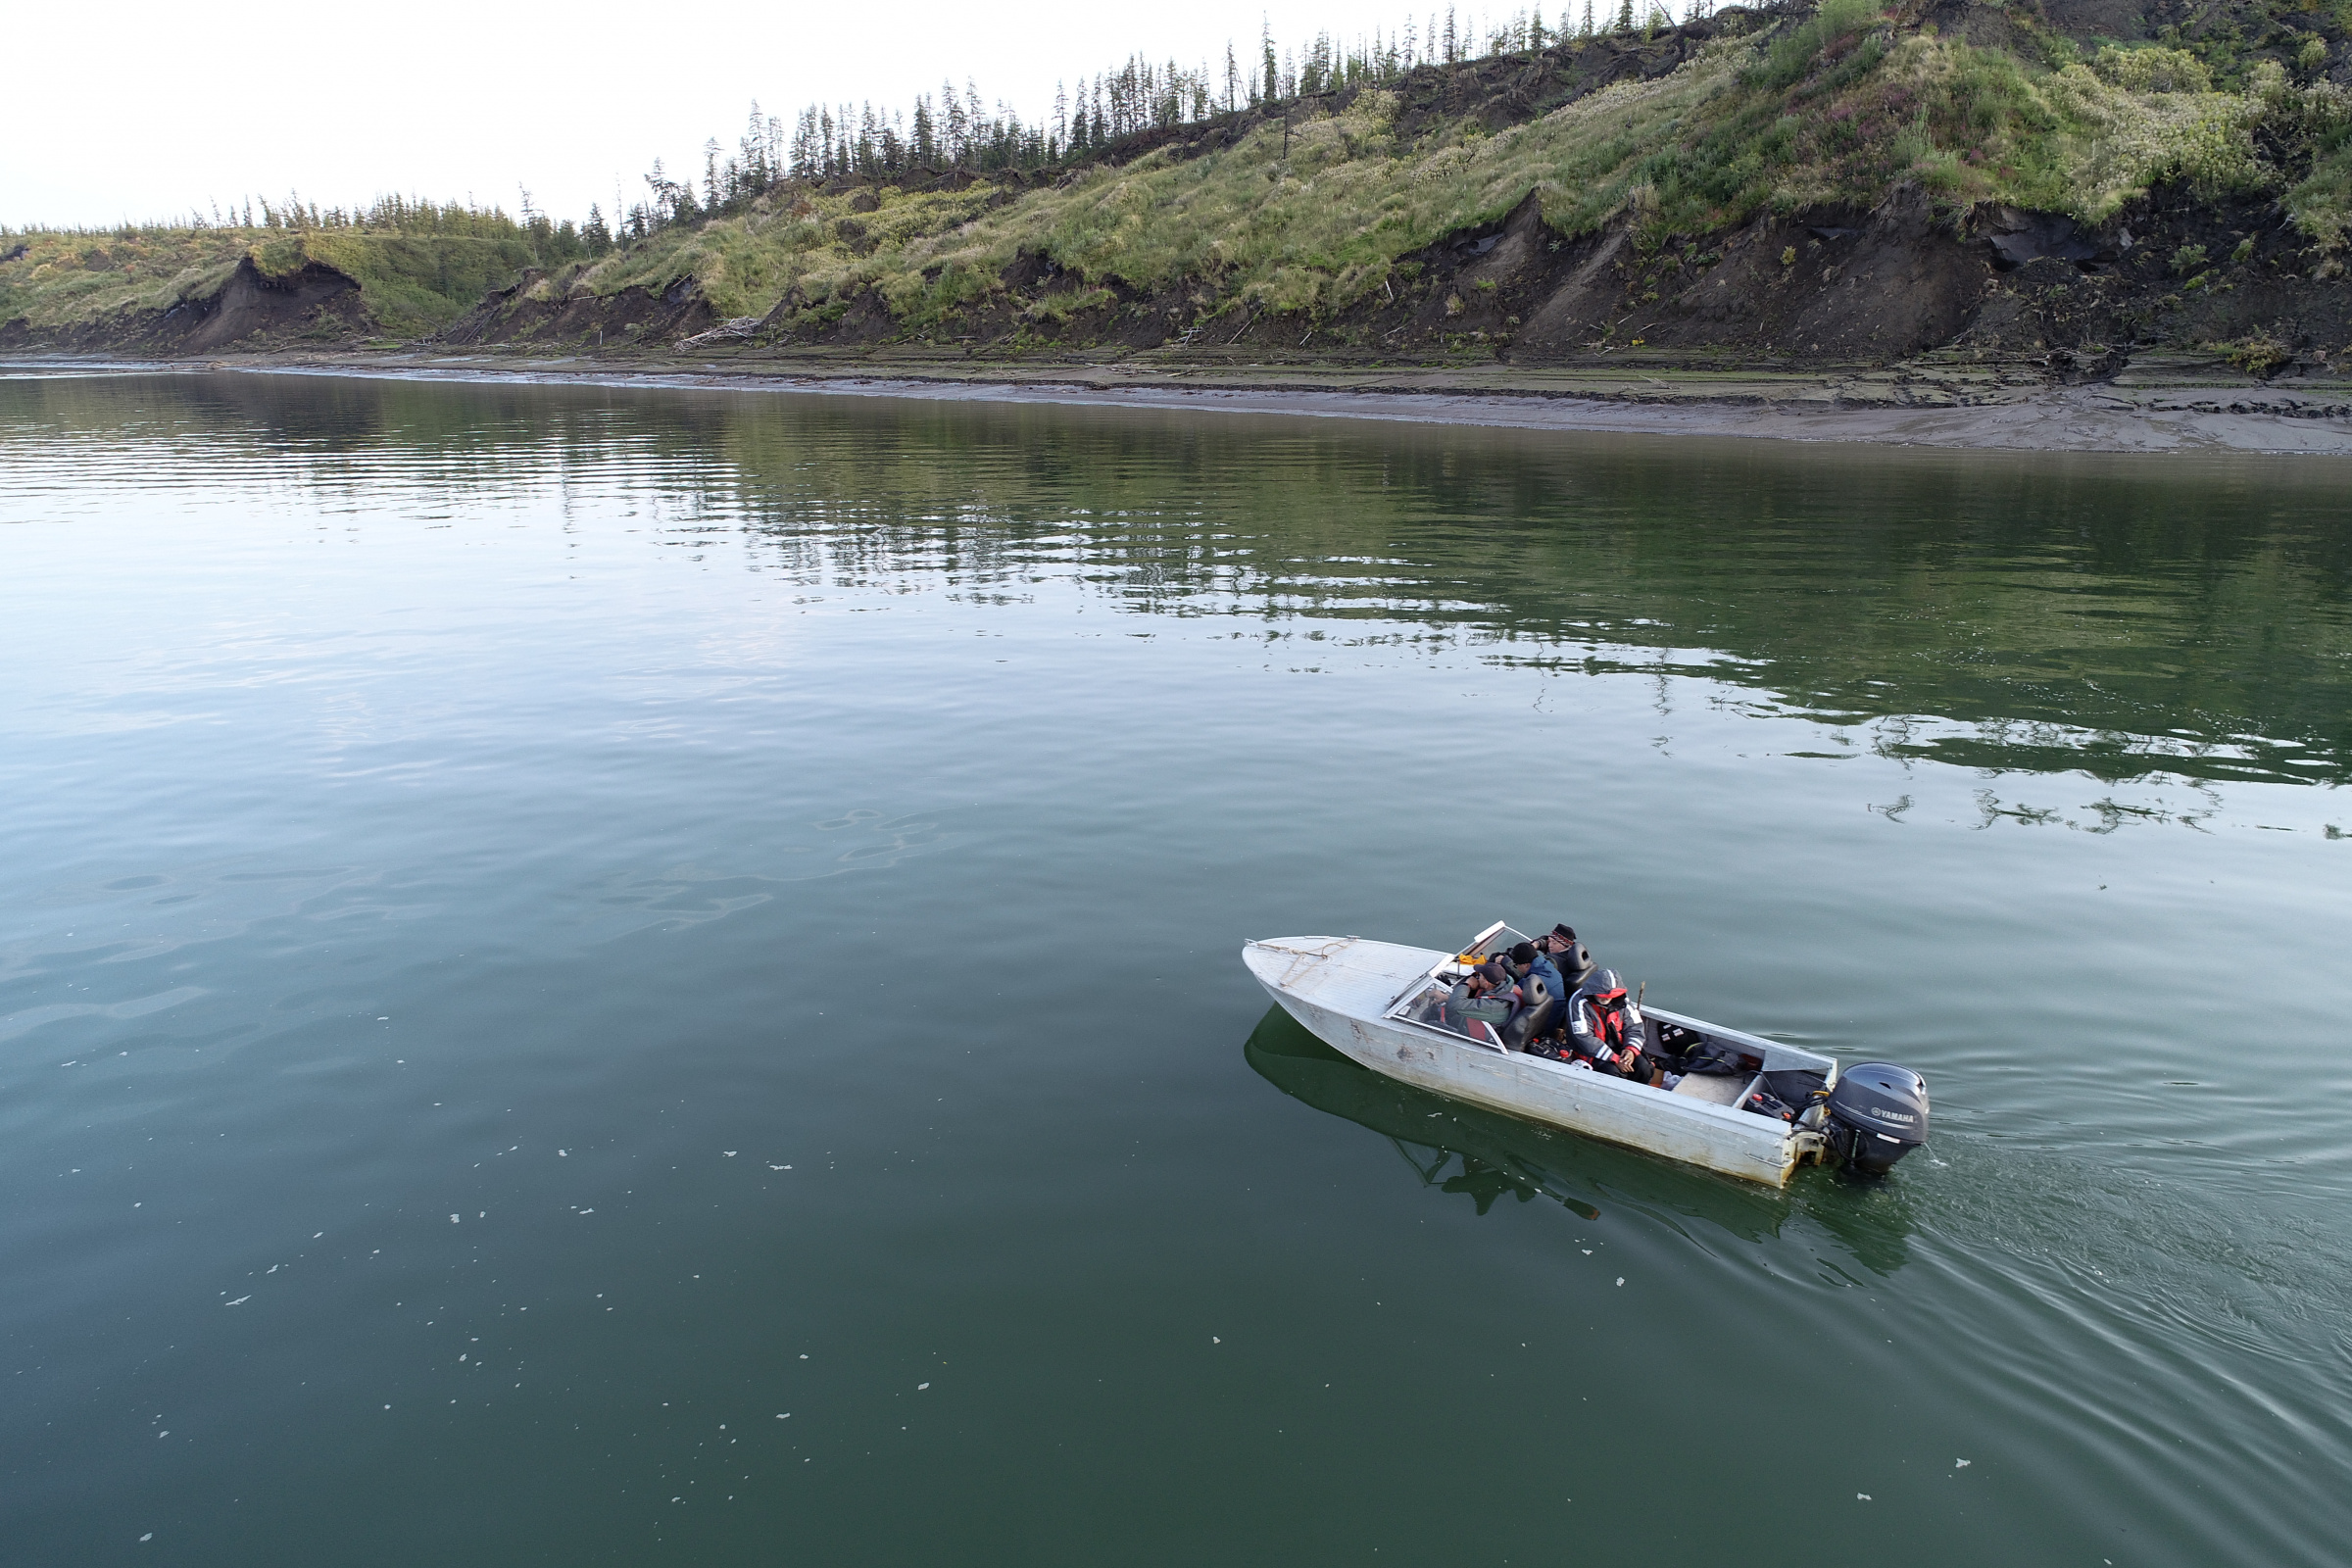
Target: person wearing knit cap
<point>1572,958</point>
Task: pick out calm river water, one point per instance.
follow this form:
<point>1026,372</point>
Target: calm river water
<point>599,975</point>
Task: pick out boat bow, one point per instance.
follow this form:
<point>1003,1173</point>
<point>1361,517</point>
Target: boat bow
<point>1349,975</point>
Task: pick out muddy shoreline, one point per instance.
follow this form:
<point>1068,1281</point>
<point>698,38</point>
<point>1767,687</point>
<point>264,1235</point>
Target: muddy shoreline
<point>2176,403</point>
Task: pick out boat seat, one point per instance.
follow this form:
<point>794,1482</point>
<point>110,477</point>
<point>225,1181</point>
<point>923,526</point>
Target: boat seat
<point>1530,1023</point>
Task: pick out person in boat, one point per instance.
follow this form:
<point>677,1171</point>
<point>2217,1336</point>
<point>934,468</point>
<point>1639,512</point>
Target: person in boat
<point>1602,1033</point>
<point>1571,964</point>
<point>1527,959</point>
<point>1570,957</point>
<point>1543,998</point>
<point>1482,1002</point>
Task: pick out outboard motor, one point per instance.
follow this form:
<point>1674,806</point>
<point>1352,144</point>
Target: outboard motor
<point>1876,1114</point>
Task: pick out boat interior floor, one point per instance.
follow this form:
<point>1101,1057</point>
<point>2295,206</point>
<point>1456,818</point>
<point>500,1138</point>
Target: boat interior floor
<point>1715,1088</point>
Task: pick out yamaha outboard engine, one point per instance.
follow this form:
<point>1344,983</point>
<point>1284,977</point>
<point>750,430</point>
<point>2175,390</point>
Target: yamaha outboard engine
<point>1876,1114</point>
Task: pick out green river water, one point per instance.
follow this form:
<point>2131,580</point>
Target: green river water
<point>638,975</point>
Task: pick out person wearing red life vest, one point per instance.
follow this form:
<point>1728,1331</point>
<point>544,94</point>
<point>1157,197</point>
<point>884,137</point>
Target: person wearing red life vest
<point>1604,1030</point>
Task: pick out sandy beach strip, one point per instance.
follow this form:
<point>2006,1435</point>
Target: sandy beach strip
<point>2172,408</point>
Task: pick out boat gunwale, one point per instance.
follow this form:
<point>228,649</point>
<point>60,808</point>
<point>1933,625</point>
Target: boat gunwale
<point>1388,1016</point>
<point>1732,1115</point>
<point>1743,1127</point>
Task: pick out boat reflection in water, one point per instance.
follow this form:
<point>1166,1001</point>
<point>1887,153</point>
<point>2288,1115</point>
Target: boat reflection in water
<point>1485,1156</point>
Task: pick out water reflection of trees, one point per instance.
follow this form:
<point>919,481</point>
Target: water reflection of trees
<point>2112,615</point>
<point>2117,616</point>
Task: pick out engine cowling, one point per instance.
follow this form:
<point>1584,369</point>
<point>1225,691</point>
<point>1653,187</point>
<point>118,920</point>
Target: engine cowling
<point>1876,1114</point>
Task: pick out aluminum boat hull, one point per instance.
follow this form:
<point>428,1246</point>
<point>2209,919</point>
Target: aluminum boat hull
<point>1340,989</point>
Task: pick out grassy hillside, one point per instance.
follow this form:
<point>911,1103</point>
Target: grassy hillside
<point>1336,212</point>
<point>414,279</point>
<point>1761,115</point>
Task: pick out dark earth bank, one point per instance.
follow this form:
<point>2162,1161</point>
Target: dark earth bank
<point>1828,286</point>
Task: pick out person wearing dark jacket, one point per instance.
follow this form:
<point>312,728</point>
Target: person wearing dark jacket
<point>1529,959</point>
<point>1482,1002</point>
<point>1543,998</point>
<point>1601,1032</point>
<point>1571,957</point>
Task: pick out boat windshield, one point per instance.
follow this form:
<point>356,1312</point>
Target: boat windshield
<point>1493,942</point>
<point>1424,998</point>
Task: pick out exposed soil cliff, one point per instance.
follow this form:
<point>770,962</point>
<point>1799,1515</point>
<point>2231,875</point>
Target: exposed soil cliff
<point>527,313</point>
<point>314,303</point>
<point>1823,286</point>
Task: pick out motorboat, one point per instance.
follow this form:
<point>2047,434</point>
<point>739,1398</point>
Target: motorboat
<point>1747,1107</point>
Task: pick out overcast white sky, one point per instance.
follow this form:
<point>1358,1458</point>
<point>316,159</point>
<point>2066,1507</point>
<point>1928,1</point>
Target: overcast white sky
<point>145,111</point>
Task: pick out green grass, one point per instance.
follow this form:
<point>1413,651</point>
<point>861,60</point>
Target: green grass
<point>414,283</point>
<point>1837,111</point>
<point>410,283</point>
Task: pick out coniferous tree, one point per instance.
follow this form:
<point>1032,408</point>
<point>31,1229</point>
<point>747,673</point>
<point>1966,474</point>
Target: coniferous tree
<point>953,141</point>
<point>959,130</point>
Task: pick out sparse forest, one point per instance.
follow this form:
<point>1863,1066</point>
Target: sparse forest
<point>955,128</point>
